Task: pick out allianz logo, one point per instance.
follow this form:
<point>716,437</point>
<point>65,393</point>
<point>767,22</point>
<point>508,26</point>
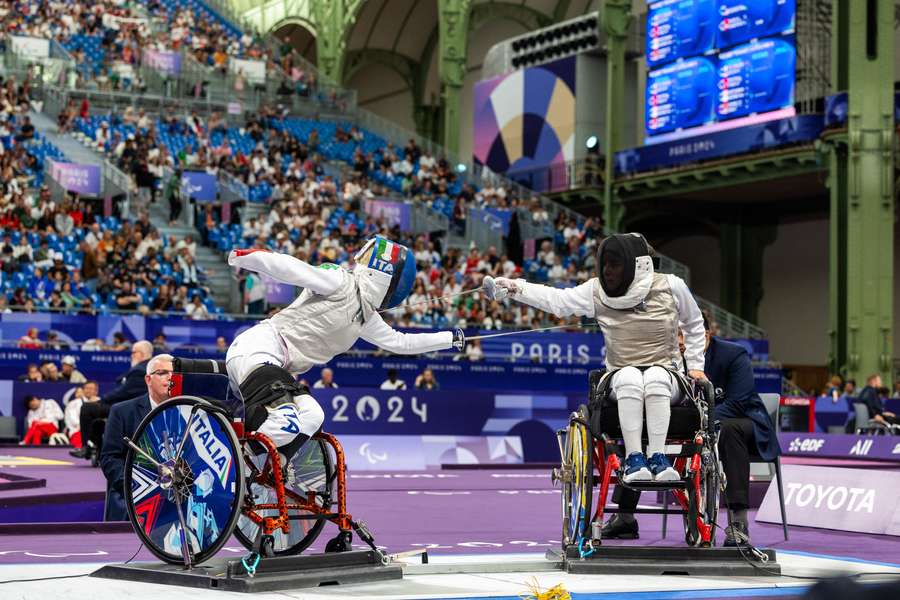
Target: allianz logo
<point>806,445</point>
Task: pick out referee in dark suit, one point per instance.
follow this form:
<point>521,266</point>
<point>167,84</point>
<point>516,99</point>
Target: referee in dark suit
<point>746,430</point>
<point>123,421</point>
<point>92,415</point>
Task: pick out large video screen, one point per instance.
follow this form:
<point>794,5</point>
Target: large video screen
<point>717,64</point>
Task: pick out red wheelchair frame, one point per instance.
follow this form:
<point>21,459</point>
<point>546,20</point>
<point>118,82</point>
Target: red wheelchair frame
<point>697,493</point>
<point>272,476</point>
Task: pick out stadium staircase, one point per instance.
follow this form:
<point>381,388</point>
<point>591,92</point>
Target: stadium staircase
<point>218,277</point>
<point>212,264</point>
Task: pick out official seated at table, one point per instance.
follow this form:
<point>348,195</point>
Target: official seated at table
<point>123,421</point>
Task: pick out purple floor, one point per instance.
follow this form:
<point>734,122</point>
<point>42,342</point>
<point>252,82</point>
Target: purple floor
<point>457,512</point>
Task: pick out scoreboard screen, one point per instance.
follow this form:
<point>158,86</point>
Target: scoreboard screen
<point>712,62</point>
<point>741,21</point>
<point>680,28</point>
<point>681,95</point>
<point>755,78</point>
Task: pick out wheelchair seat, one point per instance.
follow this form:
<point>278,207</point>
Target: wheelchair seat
<point>684,422</point>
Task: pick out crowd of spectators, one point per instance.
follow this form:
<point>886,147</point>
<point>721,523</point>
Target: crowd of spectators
<point>107,38</point>
<point>99,265</point>
<point>842,395</point>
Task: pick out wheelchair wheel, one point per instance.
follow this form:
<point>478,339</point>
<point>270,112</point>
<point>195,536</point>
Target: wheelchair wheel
<point>311,470</point>
<point>578,486</point>
<point>706,507</point>
<point>185,487</point>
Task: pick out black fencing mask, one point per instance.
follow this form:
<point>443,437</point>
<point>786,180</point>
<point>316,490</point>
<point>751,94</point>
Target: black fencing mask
<point>620,252</point>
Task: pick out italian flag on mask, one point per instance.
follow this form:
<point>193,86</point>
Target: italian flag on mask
<point>387,251</point>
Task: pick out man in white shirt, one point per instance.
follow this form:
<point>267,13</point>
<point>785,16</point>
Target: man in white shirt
<point>392,382</point>
<point>326,380</point>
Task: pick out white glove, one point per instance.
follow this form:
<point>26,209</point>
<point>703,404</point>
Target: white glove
<point>500,288</point>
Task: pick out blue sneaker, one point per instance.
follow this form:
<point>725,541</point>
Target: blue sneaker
<point>662,469</point>
<point>636,468</point>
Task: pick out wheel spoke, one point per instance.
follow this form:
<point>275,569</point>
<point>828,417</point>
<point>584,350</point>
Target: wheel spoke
<point>140,451</point>
<point>185,536</point>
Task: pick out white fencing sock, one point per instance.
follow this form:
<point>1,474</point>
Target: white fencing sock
<point>658,392</point>
<point>628,388</point>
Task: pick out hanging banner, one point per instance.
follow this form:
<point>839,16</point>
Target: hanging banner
<point>392,212</point>
<point>83,179</point>
<point>168,63</point>
<point>792,130</point>
<point>30,47</point>
<point>199,185</point>
<point>253,70</point>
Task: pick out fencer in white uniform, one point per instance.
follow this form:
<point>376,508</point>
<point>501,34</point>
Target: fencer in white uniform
<point>639,312</point>
<point>335,309</point>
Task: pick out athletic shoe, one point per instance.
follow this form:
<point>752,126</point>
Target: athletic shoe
<point>636,468</point>
<point>617,528</point>
<point>662,469</point>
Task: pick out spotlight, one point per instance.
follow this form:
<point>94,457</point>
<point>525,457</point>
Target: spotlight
<point>592,142</point>
<point>460,168</point>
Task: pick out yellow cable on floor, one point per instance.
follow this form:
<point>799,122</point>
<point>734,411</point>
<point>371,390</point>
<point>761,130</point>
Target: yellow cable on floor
<point>557,592</point>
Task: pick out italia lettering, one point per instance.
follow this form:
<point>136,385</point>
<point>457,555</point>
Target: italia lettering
<point>832,497</point>
<point>383,265</point>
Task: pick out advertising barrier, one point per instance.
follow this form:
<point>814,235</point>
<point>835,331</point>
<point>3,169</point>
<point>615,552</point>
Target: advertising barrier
<point>871,447</point>
<point>836,498</point>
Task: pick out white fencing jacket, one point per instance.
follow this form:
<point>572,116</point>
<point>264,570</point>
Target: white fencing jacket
<point>333,311</point>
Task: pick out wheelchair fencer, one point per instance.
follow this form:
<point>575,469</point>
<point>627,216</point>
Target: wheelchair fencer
<point>593,441</point>
<point>194,476</point>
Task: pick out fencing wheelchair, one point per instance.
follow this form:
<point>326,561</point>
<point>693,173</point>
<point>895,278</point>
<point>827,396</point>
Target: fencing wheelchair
<point>192,479</point>
<point>593,440</point>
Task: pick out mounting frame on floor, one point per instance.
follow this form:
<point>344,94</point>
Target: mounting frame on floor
<point>277,573</point>
<point>666,560</point>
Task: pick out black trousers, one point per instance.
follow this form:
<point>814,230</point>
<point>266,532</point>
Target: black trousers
<point>736,444</point>
<point>93,421</point>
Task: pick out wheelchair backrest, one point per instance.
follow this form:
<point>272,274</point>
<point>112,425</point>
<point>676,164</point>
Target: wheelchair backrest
<point>212,387</point>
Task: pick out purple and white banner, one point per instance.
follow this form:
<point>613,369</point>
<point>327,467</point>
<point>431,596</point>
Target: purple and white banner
<point>836,498</point>
<point>168,63</point>
<point>419,452</point>
<point>394,213</point>
<point>199,185</point>
<point>278,293</point>
<point>83,179</point>
<point>877,447</point>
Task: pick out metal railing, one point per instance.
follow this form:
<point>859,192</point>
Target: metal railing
<point>730,325</point>
<point>560,177</point>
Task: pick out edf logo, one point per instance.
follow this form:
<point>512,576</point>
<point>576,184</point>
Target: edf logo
<point>810,445</point>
